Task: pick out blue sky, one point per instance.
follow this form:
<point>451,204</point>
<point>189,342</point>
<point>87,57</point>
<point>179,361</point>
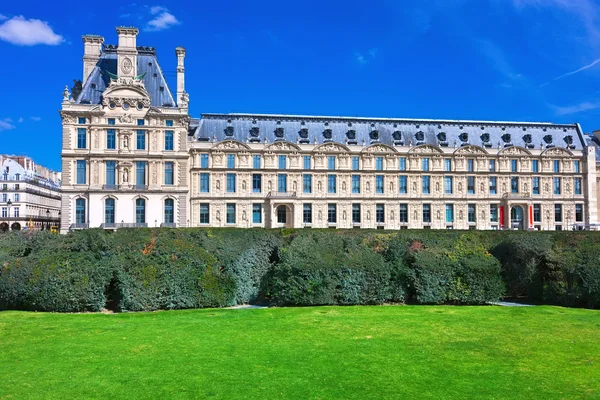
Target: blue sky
<point>517,60</point>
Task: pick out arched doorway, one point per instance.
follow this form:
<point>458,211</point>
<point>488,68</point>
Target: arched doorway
<point>15,226</point>
<point>283,216</point>
<point>3,227</point>
<point>516,218</point>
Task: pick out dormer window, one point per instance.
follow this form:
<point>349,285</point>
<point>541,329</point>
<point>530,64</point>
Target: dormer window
<point>506,138</point>
<point>327,134</point>
<point>548,139</point>
<point>351,134</point>
<point>528,141</point>
<point>254,131</point>
<point>464,137</point>
<point>374,135</point>
<point>419,136</point>
<point>569,141</point>
<point>397,135</point>
<point>303,133</point>
<point>279,132</point>
<point>229,131</point>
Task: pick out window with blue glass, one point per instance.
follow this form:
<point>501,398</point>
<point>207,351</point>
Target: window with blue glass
<point>535,185</point>
<point>447,164</point>
<point>282,162</point>
<point>379,163</point>
<point>169,122</point>
<point>230,213</point>
<point>282,183</point>
<point>493,212</point>
<point>331,163</point>
<point>168,140</point>
<point>307,183</point>
<point>578,212</point>
<point>230,183</point>
<point>306,162</point>
<point>140,173</point>
<point>356,213</point>
<point>427,213</point>
<point>204,183</point>
<point>203,160</point>
<point>425,164</point>
<point>472,212</point>
<point>556,165</point>
<point>577,185</point>
<point>256,162</point>
<point>556,185</point>
<point>355,163</point>
<point>140,139</point>
<point>355,184</point>
<point>535,166</point>
<point>426,184</point>
<point>17,197</point>
<point>403,215</point>
<point>81,138</point>
<point>514,184</point>
<point>470,184</point>
<point>140,211</point>
<point>402,163</point>
<point>169,211</point>
<point>307,213</point>
<point>80,215</point>
<point>331,183</point>
<point>109,211</point>
<point>470,165</point>
<point>81,120</point>
<point>448,185</point>
<point>256,183</point>
<point>204,213</point>
<point>492,165</point>
<point>256,213</point>
<point>558,213</point>
<point>449,213</point>
<point>379,213</point>
<point>111,139</point>
<point>230,161</point>
<point>111,173</point>
<point>493,185</point>
<point>403,184</point>
<point>513,165</point>
<point>81,172</point>
<point>576,166</point>
<point>169,174</point>
<point>140,122</point>
<point>111,121</point>
<point>332,213</point>
<point>379,184</point>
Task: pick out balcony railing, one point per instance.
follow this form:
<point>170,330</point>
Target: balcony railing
<point>516,196</point>
<point>78,226</point>
<point>281,195</point>
<point>110,187</point>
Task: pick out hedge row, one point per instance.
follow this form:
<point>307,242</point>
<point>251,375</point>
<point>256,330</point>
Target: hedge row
<point>150,269</point>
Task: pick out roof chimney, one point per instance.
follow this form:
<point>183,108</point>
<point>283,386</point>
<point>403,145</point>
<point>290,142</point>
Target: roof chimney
<point>92,48</point>
<point>180,51</point>
<point>127,52</point>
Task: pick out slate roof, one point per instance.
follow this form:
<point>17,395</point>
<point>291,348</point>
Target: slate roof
<point>147,63</point>
<point>391,131</point>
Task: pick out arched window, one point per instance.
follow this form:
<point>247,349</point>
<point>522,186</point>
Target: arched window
<point>169,207</point>
<point>140,211</point>
<point>109,211</point>
<point>281,215</point>
<point>80,211</point>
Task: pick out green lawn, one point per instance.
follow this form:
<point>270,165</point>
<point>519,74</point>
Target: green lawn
<point>410,352</point>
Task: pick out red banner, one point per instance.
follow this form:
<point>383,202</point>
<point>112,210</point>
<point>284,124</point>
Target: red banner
<point>501,217</point>
<point>531,216</point>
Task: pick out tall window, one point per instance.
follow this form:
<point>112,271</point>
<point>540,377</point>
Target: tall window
<point>282,162</point>
<point>402,163</point>
<point>535,166</point>
<point>168,140</point>
<point>535,185</point>
<point>169,211</point>
<point>470,184</point>
<point>331,163</point>
<point>332,213</point>
<point>379,213</point>
<point>204,213</point>
<point>447,164</point>
<point>256,162</point>
<point>492,165</point>
<point>425,164</point>
<point>379,184</point>
<point>231,161</point>
<point>81,138</point>
<point>470,165</point>
<point>537,213</point>
<point>110,121</point>
<point>493,212</point>
<point>331,184</point>
<point>111,139</point>
<point>307,213</point>
<point>4,212</point>
<point>426,184</point>
<point>17,198</point>
<point>403,213</point>
<point>169,174</point>
<point>80,217</point>
<point>81,172</point>
<point>449,213</point>
<point>379,163</point>
<point>204,183</point>
<point>140,136</point>
<point>514,184</point>
<point>356,213</point>
<point>306,162</point>
<point>558,213</point>
<point>556,165</point>
<point>556,185</point>
<point>169,122</point>
<point>16,212</point>
<point>356,184</point>
<point>577,185</point>
<point>140,173</point>
<point>448,185</point>
<point>472,212</point>
<point>203,160</point>
<point>427,213</point>
<point>403,184</point>
<point>355,163</point>
<point>140,211</point>
<point>140,122</point>
<point>307,183</point>
<point>576,166</point>
<point>578,212</point>
<point>256,213</point>
<point>282,183</point>
<point>493,185</point>
<point>231,183</point>
<point>256,183</point>
<point>110,173</point>
<point>513,166</point>
<point>230,213</point>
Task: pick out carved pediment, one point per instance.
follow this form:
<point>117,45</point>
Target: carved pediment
<point>230,145</point>
<point>126,90</point>
<point>557,152</point>
<point>379,148</point>
<point>329,147</point>
<point>282,146</point>
<point>425,148</point>
<point>471,150</point>
<point>515,151</point>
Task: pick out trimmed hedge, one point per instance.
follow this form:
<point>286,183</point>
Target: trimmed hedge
<point>151,269</point>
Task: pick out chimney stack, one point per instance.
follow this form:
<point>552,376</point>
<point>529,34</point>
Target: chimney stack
<point>92,48</point>
<point>127,52</point>
<point>180,52</point>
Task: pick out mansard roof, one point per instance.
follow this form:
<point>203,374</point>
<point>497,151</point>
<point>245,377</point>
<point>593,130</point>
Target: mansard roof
<point>147,66</point>
<point>261,128</point>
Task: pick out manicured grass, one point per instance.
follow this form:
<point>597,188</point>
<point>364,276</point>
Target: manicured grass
<point>411,352</point>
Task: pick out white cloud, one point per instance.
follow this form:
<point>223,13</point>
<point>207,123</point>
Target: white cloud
<point>8,120</point>
<point>363,59</point>
<point>28,32</point>
<point>6,125</point>
<point>163,19</point>
<point>577,108</point>
<point>3,17</point>
<point>20,120</point>
<point>590,65</point>
<point>36,119</point>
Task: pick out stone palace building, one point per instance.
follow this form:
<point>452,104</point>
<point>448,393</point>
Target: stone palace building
<point>133,157</point>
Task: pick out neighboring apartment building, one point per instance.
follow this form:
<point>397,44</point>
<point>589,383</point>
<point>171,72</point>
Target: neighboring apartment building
<point>129,150</point>
<point>29,195</point>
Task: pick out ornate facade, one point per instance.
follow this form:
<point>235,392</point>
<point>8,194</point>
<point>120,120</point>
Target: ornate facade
<point>303,171</point>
